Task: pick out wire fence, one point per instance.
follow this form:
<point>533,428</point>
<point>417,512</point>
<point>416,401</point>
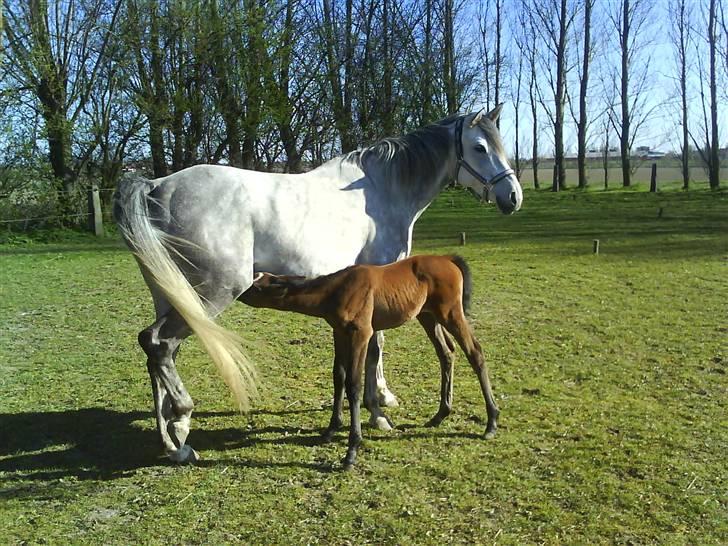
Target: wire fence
<point>16,215</point>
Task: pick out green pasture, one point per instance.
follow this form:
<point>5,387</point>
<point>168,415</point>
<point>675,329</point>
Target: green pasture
<point>609,369</point>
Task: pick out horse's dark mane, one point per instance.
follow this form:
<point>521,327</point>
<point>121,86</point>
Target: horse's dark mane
<point>422,152</point>
<point>409,157</point>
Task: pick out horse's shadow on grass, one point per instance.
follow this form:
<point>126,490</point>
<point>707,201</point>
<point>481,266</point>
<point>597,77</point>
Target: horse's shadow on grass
<point>102,444</point>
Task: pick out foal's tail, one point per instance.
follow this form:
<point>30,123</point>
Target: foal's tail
<point>462,265</point>
<point>153,249</point>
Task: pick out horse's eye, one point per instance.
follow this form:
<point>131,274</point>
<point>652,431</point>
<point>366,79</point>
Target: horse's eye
<point>480,148</point>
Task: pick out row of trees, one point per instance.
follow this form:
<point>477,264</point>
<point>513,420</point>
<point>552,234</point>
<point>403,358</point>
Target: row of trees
<point>93,84</point>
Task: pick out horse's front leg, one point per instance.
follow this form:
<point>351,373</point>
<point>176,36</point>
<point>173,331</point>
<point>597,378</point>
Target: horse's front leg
<point>172,403</point>
<point>374,383</point>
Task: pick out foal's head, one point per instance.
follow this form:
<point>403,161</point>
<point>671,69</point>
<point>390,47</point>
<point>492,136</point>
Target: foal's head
<point>274,286</point>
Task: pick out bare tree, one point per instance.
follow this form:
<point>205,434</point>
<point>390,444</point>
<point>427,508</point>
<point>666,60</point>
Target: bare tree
<point>629,20</point>
<point>554,19</point>
<point>714,162</point>
<point>680,34</point>
<point>582,123</point>
<point>57,50</point>
<point>449,67</point>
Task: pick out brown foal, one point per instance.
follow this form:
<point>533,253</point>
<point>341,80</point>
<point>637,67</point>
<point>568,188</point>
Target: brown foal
<point>362,299</point>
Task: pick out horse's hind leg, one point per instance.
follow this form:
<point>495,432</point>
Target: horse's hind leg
<point>456,324</point>
<point>374,383</point>
<point>444,349</point>
<point>172,403</point>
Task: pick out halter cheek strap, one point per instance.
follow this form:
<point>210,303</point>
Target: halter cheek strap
<point>488,184</point>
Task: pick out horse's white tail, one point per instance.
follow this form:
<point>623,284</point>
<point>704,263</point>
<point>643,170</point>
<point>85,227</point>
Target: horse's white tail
<point>152,248</point>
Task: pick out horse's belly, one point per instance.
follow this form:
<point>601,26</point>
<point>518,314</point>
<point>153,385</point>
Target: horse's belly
<point>312,242</point>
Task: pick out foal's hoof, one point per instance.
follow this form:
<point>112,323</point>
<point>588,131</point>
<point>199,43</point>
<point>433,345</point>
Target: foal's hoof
<point>387,399</point>
<point>490,433</point>
<point>184,455</point>
<point>382,423</point>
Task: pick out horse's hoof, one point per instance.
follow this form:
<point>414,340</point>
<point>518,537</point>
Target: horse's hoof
<point>328,435</point>
<point>381,422</point>
<point>489,434</point>
<point>387,399</point>
<point>434,422</point>
<point>184,455</point>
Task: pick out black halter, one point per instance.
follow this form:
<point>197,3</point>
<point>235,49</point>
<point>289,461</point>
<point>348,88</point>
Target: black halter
<point>488,184</point>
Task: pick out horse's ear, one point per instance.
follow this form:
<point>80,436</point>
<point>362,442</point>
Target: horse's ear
<point>494,114</point>
<point>477,118</point>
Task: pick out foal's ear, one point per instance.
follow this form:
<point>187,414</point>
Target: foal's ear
<point>494,114</point>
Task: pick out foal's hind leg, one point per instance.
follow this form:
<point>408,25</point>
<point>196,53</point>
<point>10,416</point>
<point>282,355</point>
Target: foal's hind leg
<point>444,349</point>
<point>461,331</point>
<point>172,403</point>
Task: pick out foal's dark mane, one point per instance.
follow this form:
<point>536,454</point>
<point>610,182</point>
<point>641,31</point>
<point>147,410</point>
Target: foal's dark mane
<point>417,155</point>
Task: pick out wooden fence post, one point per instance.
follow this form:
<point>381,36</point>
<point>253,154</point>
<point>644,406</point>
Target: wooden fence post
<point>653,178</point>
<point>462,238</point>
<point>95,222</point>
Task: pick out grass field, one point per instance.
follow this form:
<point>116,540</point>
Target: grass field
<point>610,372</point>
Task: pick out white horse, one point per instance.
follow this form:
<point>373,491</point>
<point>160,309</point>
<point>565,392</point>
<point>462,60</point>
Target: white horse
<point>200,236</point>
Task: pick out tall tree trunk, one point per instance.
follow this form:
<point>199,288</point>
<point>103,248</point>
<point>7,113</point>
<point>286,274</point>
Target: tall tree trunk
<point>426,91</point>
<point>388,113</point>
<point>682,58</point>
<point>498,57</point>
<point>714,164</point>
<point>449,76</point>
<point>560,98</point>
<point>227,100</point>
<point>583,90</point>
<point>341,95</point>
<point>624,136</point>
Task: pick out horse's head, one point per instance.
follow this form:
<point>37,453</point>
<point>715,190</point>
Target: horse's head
<point>482,162</point>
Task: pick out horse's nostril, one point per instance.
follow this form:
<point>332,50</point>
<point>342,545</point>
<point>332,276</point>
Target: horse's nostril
<point>514,198</point>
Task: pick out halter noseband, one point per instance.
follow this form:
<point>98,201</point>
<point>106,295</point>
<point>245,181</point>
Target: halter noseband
<point>488,184</point>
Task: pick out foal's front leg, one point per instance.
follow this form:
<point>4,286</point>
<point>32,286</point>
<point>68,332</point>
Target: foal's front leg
<point>359,339</point>
<point>341,350</point>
